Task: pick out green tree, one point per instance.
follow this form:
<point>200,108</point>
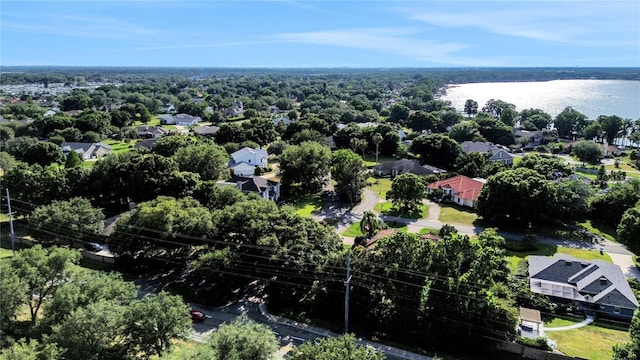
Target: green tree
<point>94,332</point>
<point>43,153</point>
<point>42,272</point>
<point>631,349</point>
<point>67,220</point>
<point>377,139</point>
<point>407,192</point>
<point>494,130</point>
<point>86,287</point>
<point>610,206</point>
<point>210,161</point>
<point>170,144</point>
<point>471,164</point>
<point>398,113</point>
<point>73,160</point>
<point>370,223</point>
<point>470,107</point>
<point>305,167</point>
<point>348,170</point>
<point>569,123</point>
<point>244,339</point>
<point>154,321</point>
<point>629,228</point>
<point>517,196</point>
<point>587,151</point>
<point>612,126</point>
<point>32,350</point>
<point>421,121</point>
<point>573,197</point>
<point>6,133</point>
<point>14,292</point>
<point>7,162</point>
<point>495,108</point>
<point>344,348</point>
<point>437,150</point>
<point>547,166</point>
<point>466,131</point>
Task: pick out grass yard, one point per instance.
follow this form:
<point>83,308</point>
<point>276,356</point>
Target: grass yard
<point>606,231</point>
<point>587,175</point>
<point>308,205</point>
<point>589,342</point>
<point>387,208</point>
<point>155,121</point>
<point>119,147</point>
<point>370,160</point>
<point>452,214</point>
<point>514,257</point>
<point>354,229</point>
<point>424,231</point>
<point>5,253</point>
<point>379,185</point>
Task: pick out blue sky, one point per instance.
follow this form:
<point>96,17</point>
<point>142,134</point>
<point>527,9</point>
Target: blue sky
<point>289,33</point>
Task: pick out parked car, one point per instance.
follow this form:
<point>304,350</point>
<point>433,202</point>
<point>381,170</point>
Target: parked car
<point>197,316</point>
<point>95,247</point>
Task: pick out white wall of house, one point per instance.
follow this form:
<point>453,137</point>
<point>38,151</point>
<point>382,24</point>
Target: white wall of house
<point>244,169</point>
<point>251,156</point>
<point>463,202</point>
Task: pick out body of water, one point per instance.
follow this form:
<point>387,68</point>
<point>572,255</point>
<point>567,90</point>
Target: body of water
<point>590,97</point>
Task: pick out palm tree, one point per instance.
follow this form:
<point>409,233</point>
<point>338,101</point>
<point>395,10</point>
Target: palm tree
<point>370,224</point>
<point>377,139</point>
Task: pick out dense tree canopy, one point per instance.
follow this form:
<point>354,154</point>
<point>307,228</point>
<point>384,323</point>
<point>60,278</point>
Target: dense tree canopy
<point>305,168</point>
<point>210,161</point>
<point>344,348</point>
<point>587,151</point>
<point>569,123</point>
<point>348,170</point>
<point>517,196</point>
<point>407,192</point>
<point>67,221</point>
<point>436,150</point>
<point>629,228</point>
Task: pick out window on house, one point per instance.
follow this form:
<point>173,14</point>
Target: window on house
<point>616,310</point>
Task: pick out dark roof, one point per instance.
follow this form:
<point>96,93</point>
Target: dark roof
<point>478,146</point>
<point>252,183</point>
<point>592,282</point>
<point>407,166</point>
<point>146,143</point>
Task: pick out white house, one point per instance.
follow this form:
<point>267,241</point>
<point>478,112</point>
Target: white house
<point>180,119</point>
<point>268,189</point>
<point>244,161</point>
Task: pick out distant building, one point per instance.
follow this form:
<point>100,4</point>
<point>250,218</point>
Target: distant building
<point>87,151</point>
<point>244,161</point>
<point>399,167</point>
<point>268,189</point>
<point>179,119</point>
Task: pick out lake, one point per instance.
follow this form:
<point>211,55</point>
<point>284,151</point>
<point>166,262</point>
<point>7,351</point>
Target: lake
<point>590,97</point>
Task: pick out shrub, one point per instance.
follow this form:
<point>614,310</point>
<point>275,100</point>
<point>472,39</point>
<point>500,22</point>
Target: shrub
<point>538,343</point>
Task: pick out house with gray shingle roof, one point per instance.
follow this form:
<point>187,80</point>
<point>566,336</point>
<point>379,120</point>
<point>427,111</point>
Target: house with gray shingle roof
<point>86,151</point>
<point>268,189</point>
<point>399,167</point>
<point>596,287</point>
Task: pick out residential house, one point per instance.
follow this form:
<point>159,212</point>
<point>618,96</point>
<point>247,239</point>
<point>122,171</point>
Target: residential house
<point>371,243</point>
<point>148,143</point>
<point>479,146</point>
<point>399,167</point>
<point>179,119</point>
<point>87,151</point>
<point>529,139</point>
<point>281,119</point>
<point>236,110</point>
<point>168,108</point>
<point>268,189</point>
<point>151,132</point>
<point>502,156</point>
<point>273,109</point>
<point>460,189</point>
<point>206,130</point>
<point>244,161</point>
<point>596,287</point>
<point>609,150</point>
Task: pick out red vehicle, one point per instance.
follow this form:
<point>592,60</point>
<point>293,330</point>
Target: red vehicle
<point>197,315</point>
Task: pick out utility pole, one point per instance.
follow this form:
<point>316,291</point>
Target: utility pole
<point>346,293</point>
<point>12,234</point>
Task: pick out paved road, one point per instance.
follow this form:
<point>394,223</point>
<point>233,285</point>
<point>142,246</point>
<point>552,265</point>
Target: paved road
<point>335,210</point>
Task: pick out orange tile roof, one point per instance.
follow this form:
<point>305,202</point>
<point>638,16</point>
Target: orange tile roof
<point>463,187</point>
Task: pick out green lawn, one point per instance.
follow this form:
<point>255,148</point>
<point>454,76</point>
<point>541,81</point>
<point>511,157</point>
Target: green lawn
<point>424,231</point>
<point>354,229</point>
<point>155,121</point>
<point>514,257</point>
<point>120,146</point>
<point>5,253</point>
<point>589,342</point>
<point>370,160</point>
<point>606,231</point>
<point>308,205</point>
<point>587,175</point>
<point>387,208</point>
<point>379,185</point>
<point>452,214</point>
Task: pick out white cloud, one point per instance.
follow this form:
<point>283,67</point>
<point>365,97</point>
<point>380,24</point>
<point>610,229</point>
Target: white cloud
<point>398,41</point>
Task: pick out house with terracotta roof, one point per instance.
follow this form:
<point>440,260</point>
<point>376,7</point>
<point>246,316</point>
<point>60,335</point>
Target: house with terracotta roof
<point>460,189</point>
